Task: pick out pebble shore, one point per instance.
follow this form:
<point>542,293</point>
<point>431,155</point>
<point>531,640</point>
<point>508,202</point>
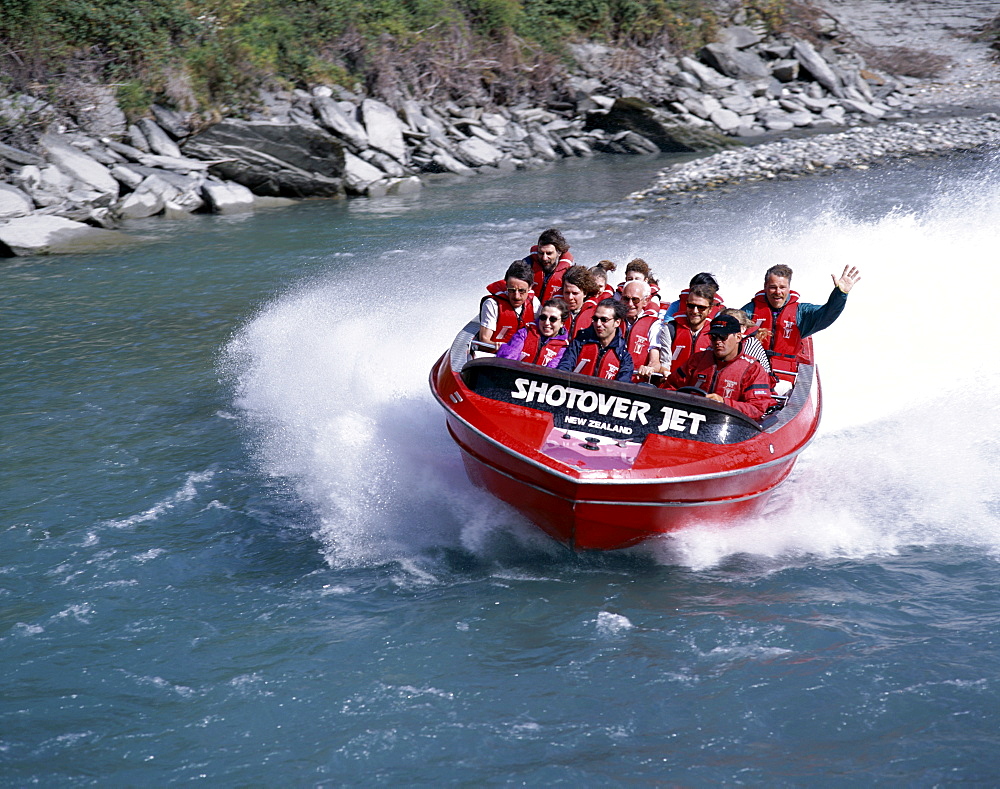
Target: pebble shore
<point>857,148</point>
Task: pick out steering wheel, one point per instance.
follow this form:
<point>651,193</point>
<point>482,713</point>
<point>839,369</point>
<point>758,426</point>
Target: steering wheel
<point>693,390</point>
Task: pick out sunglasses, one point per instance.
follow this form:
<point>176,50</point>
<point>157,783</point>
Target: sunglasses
<point>518,291</point>
<point>632,299</point>
<point>699,307</point>
<point>599,319</point>
<point>549,318</point>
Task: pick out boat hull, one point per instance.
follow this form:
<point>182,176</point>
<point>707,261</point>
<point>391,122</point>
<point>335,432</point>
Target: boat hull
<point>657,486</point>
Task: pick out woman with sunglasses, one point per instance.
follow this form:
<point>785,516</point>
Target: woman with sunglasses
<point>543,342</point>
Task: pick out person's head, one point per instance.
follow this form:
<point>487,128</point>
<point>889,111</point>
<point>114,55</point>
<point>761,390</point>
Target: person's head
<point>637,269</point>
<point>601,270</point>
<point>519,280</point>
<point>607,318</point>
<point>551,246</point>
<point>635,297</point>
<point>698,305</point>
<point>578,285</point>
<point>725,334</point>
<point>746,323</point>
<point>704,278</point>
<point>553,315</point>
<point>777,285</point>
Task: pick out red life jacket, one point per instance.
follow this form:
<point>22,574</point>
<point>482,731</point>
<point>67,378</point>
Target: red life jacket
<point>717,304</point>
<point>545,286</point>
<point>685,343</point>
<point>537,351</point>
<point>508,321</point>
<point>582,319</point>
<point>786,348</point>
<point>598,361</point>
<point>743,383</point>
<point>637,338</point>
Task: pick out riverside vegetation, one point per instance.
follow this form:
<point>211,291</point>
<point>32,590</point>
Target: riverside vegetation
<point>125,109</point>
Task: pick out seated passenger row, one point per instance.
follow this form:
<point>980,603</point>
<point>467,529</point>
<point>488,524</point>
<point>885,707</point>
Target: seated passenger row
<point>548,311</point>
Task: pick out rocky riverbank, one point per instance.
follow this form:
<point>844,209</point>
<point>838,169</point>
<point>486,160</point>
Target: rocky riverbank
<point>854,148</point>
<point>68,180</point>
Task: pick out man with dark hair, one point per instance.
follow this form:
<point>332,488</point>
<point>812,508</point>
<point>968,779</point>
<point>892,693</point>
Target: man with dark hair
<point>686,333</point>
<point>785,322</point>
<point>601,350</point>
<point>725,373</point>
<point>678,307</point>
<point>549,259</point>
<point>502,314</point>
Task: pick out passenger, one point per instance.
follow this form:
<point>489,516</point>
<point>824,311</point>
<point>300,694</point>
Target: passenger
<point>501,315</point>
<point>579,290</point>
<point>601,271</point>
<point>784,322</point>
<point>677,307</point>
<point>639,269</point>
<point>751,345</point>
<point>688,333</point>
<point>641,327</point>
<point>725,373</point>
<point>549,259</point>
<point>542,342</point>
<point>601,350</point>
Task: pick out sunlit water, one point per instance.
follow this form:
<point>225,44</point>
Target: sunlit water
<point>239,545</point>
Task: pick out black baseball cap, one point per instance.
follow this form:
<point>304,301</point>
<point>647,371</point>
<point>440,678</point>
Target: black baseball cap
<point>724,325</point>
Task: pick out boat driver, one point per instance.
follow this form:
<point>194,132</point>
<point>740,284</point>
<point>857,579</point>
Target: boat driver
<point>725,373</point>
<point>601,350</point>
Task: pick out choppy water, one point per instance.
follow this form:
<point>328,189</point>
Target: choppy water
<point>238,546</point>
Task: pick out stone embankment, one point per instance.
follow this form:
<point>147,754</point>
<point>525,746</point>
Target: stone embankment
<point>88,172</point>
<point>855,148</point>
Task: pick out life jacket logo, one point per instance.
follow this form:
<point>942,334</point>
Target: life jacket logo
<point>678,350</point>
<point>789,326</point>
<point>612,371</point>
<point>730,388</point>
<point>640,341</point>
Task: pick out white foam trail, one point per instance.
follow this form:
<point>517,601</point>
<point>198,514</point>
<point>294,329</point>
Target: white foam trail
<point>339,404</point>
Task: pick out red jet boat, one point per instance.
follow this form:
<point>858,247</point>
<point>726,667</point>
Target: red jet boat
<point>601,464</point>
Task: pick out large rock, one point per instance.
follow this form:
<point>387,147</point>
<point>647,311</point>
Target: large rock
<point>14,202</point>
<point>82,168</point>
<point>280,160</point>
<point>49,235</point>
<point>47,185</point>
<point>96,110</point>
<point>332,117</point>
<point>738,36</point>
<point>385,129</point>
<point>814,63</point>
<point>17,156</point>
<point>225,198</point>
<point>159,141</point>
<point>636,115</point>
<point>734,62</point>
<point>708,78</point>
<point>359,174</point>
<point>478,153</point>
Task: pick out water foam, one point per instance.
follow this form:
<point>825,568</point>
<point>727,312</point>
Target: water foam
<point>338,403</point>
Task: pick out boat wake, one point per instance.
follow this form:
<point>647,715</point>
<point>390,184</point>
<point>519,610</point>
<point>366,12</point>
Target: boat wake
<point>336,400</point>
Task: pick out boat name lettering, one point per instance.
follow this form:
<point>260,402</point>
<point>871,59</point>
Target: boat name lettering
<point>557,395</point>
<point>674,419</point>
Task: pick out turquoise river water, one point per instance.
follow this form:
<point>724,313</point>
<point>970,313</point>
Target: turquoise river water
<point>239,548</point>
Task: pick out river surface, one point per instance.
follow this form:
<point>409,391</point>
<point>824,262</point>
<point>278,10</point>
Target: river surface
<point>239,548</point>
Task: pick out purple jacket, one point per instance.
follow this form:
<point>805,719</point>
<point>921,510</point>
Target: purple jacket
<point>515,345</point>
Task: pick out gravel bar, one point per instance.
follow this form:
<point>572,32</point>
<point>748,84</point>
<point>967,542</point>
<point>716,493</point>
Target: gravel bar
<point>855,148</point>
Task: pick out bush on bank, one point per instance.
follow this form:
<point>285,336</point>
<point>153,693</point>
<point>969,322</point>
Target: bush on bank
<point>214,55</point>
